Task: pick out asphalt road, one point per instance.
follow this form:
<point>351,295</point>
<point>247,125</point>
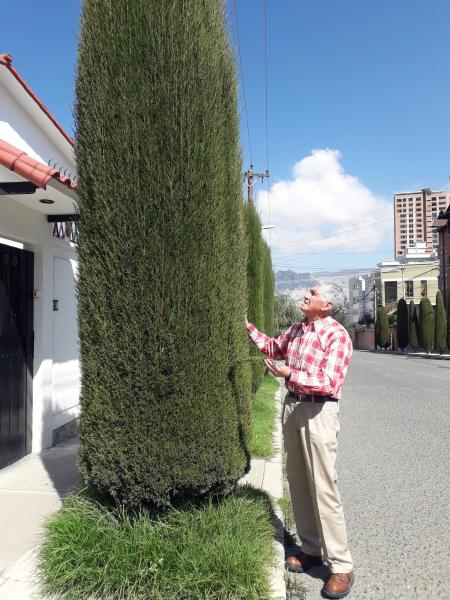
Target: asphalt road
<point>393,468</point>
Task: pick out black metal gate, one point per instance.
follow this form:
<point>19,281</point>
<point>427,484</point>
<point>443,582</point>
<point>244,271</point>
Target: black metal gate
<point>16,353</point>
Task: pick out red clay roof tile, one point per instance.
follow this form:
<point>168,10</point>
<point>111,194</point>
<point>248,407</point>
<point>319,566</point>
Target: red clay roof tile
<point>29,168</point>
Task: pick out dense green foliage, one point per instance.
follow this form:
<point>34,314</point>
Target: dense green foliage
<point>440,324</point>
<point>165,392</point>
<point>382,328</point>
<point>426,324</point>
<point>263,421</point>
<point>209,551</point>
<point>413,326</point>
<point>255,276</point>
<point>402,324</point>
<point>269,292</point>
<point>448,320</point>
<point>286,312</point>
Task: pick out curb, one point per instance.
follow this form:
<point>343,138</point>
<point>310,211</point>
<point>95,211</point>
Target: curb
<point>267,475</point>
<point>278,574</point>
<point>409,354</point>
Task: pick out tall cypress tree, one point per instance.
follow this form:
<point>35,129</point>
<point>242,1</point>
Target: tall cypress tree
<point>426,324</point>
<point>440,324</point>
<point>382,328</point>
<point>448,320</point>
<point>162,248</point>
<point>255,274</point>
<point>269,292</point>
<point>413,326</point>
<point>402,324</point>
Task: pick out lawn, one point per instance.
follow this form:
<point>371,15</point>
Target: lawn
<point>217,550</point>
<point>263,416</point>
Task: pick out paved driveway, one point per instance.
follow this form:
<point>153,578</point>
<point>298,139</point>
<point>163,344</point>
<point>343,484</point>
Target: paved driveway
<point>393,467</point>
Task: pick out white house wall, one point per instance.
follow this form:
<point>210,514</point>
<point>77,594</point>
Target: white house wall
<point>19,128</point>
<point>56,375</point>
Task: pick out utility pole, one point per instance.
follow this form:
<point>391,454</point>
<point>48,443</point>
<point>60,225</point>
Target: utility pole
<point>250,176</point>
<point>403,267</point>
<point>375,315</point>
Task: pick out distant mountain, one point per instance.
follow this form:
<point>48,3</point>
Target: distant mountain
<point>297,284</point>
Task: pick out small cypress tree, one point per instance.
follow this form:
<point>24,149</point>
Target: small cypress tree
<point>448,320</point>
<point>382,328</point>
<point>402,324</point>
<point>426,324</point>
<point>255,276</point>
<point>440,324</point>
<point>413,326</point>
<point>269,292</point>
<point>165,391</point>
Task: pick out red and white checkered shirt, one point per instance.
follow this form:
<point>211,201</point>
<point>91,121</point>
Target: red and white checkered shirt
<point>318,354</point>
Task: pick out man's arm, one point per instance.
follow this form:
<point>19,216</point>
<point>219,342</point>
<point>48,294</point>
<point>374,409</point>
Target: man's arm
<point>329,378</point>
<point>275,348</point>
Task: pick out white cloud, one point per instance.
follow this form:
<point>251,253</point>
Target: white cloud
<point>322,206</point>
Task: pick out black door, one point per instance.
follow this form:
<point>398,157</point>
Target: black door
<point>16,353</point>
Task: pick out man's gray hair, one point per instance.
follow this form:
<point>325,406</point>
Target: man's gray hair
<point>333,293</point>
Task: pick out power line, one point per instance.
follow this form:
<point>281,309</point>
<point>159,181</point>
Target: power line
<point>343,244</point>
<point>242,79</point>
<point>266,83</point>
<point>328,234</point>
<point>267,117</point>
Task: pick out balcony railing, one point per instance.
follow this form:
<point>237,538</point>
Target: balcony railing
<point>66,230</point>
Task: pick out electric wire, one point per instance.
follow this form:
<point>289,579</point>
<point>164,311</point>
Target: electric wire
<point>328,234</point>
<point>266,83</point>
<point>267,116</point>
<point>242,80</point>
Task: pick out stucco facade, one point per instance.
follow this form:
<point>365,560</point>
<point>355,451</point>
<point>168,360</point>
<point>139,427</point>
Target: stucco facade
<point>24,225</point>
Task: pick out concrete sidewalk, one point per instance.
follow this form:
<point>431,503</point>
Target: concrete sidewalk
<point>31,490</point>
<point>267,475</point>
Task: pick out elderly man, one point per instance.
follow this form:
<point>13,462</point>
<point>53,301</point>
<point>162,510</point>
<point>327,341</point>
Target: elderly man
<point>316,353</point>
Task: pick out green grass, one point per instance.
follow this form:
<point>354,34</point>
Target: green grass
<point>263,416</point>
<point>288,513</point>
<point>217,550</point>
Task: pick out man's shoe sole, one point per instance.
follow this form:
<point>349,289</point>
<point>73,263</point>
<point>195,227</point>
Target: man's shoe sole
<point>340,594</point>
<point>301,570</point>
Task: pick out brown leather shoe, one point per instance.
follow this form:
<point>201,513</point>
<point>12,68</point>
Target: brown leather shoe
<point>302,562</point>
<point>338,585</point>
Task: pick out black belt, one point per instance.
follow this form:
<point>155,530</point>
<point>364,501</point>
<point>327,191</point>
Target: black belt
<point>311,397</point>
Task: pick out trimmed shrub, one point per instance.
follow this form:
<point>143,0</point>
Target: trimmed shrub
<point>382,328</point>
<point>269,292</point>
<point>286,313</point>
<point>402,324</point>
<point>426,324</point>
<point>255,278</point>
<point>448,320</point>
<point>165,392</point>
<point>413,326</point>
<point>440,324</point>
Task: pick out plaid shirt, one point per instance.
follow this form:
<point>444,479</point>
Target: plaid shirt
<point>318,354</point>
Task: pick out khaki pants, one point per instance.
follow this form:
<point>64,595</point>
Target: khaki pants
<point>310,440</point>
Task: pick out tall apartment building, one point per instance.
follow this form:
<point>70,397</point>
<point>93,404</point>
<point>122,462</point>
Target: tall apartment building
<point>414,213</point>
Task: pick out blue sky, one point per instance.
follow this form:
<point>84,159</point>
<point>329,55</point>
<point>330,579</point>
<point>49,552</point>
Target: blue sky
<point>365,84</point>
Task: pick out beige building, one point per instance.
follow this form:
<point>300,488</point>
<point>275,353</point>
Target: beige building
<point>409,280</point>
<point>414,213</point>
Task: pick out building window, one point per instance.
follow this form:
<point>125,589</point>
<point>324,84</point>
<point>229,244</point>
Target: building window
<point>390,292</point>
<point>423,288</point>
<point>409,289</point>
